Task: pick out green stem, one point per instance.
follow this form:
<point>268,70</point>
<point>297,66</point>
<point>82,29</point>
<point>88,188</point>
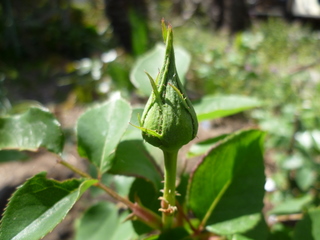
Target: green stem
<point>169,191</point>
<point>73,168</point>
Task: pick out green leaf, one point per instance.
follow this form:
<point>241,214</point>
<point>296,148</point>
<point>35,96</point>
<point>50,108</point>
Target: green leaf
<point>280,232</point>
<point>120,184</point>
<point>227,188</point>
<point>133,159</point>
<point>38,206</point>
<point>146,193</point>
<point>151,62</point>
<point>308,228</point>
<point>236,225</point>
<point>294,205</point>
<point>182,188</point>
<point>147,237</point>
<point>174,234</point>
<point>212,107</point>
<point>171,234</point>
<point>12,155</point>
<point>97,222</point>
<point>260,231</point>
<point>239,237</point>
<point>125,230</point>
<point>306,177</point>
<point>134,133</point>
<point>31,130</point>
<point>102,220</point>
<point>203,147</point>
<point>99,131</point>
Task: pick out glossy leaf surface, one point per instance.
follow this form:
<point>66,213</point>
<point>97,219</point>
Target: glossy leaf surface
<point>259,231</point>
<point>38,206</point>
<point>99,131</point>
<point>31,130</point>
<point>227,187</point>
<point>212,107</point>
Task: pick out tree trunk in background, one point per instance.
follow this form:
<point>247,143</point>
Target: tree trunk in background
<point>230,14</point>
<point>128,18</point>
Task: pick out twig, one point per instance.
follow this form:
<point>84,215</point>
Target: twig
<point>73,168</point>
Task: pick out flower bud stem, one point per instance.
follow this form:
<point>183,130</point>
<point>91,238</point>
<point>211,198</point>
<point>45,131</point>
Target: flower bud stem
<point>169,192</point>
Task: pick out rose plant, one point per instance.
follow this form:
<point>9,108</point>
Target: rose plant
<point>221,198</point>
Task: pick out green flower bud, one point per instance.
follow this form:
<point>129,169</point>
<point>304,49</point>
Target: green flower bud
<point>169,120</point>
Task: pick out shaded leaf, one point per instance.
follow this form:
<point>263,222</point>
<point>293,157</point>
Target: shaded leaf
<point>227,187</point>
<point>308,228</point>
<point>171,234</point>
<point>12,155</point>
<point>39,205</point>
<point>174,234</point>
<point>133,159</point>
<point>99,131</point>
<point>31,130</point>
<point>101,221</point>
<point>151,62</point>
<point>280,232</point>
<point>182,188</point>
<point>147,194</point>
<point>212,107</point>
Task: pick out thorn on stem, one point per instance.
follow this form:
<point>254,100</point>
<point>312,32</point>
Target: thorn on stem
<point>163,199</point>
<point>169,210</point>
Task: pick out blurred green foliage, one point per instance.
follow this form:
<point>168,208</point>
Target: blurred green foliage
<point>44,44</point>
<point>278,63</point>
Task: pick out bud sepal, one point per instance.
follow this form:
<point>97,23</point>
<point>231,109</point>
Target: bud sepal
<point>169,120</point>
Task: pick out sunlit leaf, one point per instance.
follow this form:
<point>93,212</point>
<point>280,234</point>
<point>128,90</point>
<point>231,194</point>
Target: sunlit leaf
<point>38,206</point>
<point>99,131</point>
<point>227,188</point>
<point>260,231</point>
<point>31,130</point>
<point>151,62</point>
<point>211,107</point>
<point>293,205</point>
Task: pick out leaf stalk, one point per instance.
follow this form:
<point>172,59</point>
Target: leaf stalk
<point>143,214</point>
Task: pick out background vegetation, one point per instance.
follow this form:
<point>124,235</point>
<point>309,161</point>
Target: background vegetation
<point>69,54</point>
